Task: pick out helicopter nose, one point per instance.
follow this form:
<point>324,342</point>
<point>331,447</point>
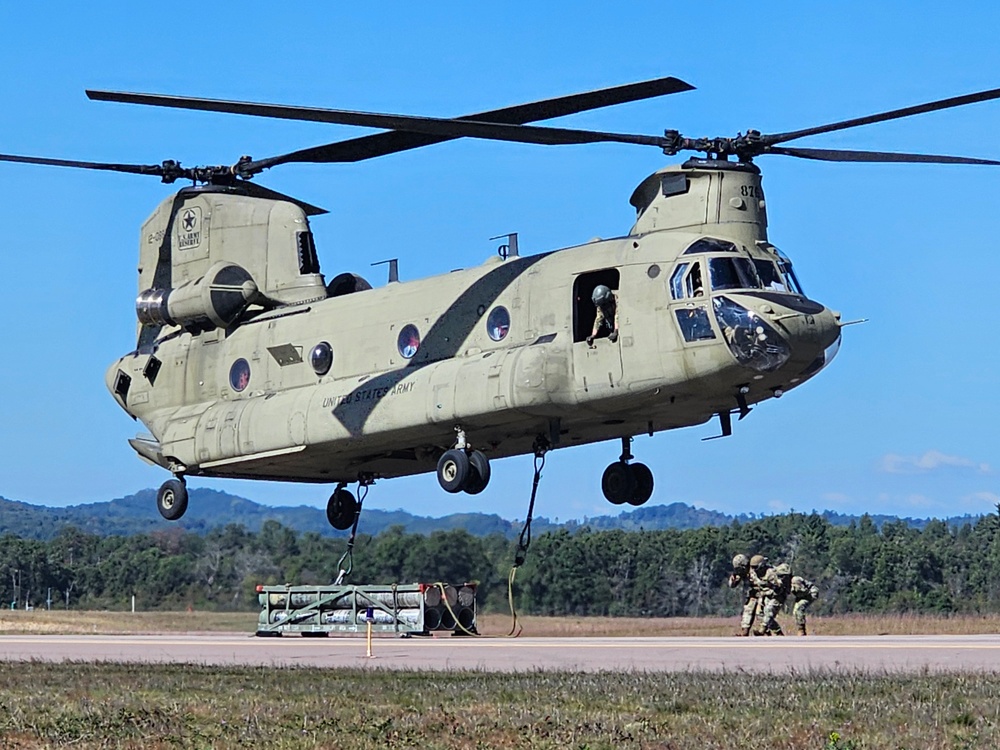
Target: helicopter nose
<point>810,334</point>
<point>771,334</point>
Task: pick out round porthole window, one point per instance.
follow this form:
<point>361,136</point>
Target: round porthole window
<point>498,323</point>
<point>239,375</point>
<point>321,358</point>
<point>408,341</point>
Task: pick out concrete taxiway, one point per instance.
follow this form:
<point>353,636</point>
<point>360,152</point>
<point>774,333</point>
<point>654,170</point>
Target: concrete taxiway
<point>870,653</point>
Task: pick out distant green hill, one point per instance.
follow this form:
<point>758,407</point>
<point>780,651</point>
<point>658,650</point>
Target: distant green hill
<point>209,509</point>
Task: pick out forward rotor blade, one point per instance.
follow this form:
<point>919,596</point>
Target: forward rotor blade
<point>824,154</point>
<point>380,144</point>
<point>955,101</point>
<point>437,126</point>
<point>153,169</point>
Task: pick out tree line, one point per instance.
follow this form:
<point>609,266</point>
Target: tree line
<point>862,567</point>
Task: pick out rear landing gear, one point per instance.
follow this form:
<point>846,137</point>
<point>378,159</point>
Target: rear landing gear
<point>172,499</point>
<point>627,483</point>
<point>461,469</point>
<point>342,508</point>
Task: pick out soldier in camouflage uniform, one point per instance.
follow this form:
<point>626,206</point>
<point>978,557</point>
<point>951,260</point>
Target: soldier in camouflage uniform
<point>804,593</point>
<point>771,595</point>
<point>741,575</point>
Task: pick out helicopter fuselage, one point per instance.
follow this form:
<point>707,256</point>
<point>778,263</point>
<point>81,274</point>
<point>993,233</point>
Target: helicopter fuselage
<point>374,383</point>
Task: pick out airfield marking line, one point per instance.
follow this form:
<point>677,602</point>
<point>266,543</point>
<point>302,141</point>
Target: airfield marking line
<point>835,642</point>
<point>811,646</point>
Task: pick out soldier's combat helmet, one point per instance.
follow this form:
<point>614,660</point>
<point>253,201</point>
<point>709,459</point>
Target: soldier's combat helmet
<point>784,569</point>
<point>758,561</point>
<point>741,562</point>
<point>601,295</point>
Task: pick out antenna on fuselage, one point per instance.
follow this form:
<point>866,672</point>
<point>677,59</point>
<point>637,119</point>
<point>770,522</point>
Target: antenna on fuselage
<point>509,248</point>
<point>393,268</point>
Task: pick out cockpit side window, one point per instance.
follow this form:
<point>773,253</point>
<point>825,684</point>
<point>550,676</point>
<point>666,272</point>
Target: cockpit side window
<point>693,285</point>
<point>686,281</point>
<point>694,323</point>
<point>677,281</point>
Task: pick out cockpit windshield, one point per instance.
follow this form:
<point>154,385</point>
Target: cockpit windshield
<point>785,266</point>
<point>733,273</point>
<point>737,269</point>
<point>770,276</point>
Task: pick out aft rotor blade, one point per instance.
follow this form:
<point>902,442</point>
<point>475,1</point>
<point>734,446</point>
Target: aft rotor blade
<point>153,169</point>
<point>824,154</point>
<point>955,101</point>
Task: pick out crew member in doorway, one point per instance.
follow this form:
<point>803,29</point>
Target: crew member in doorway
<point>606,317</point>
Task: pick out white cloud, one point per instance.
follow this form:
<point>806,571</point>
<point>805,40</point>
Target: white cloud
<point>932,460</point>
<point>919,501</point>
<point>982,497</point>
<point>836,497</point>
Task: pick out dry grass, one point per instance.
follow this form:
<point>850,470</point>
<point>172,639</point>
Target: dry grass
<point>72,622</point>
<point>62,622</point>
<point>727,626</point>
<point>175,706</point>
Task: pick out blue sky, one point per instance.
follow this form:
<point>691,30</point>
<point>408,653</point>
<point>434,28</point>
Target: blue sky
<point>903,422</point>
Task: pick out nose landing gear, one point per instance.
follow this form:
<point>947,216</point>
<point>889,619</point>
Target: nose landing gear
<point>627,483</point>
<point>462,469</point>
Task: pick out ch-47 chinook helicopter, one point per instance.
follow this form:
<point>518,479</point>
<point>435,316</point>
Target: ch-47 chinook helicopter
<point>250,364</point>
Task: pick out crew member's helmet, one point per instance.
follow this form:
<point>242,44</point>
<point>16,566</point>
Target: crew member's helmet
<point>784,569</point>
<point>601,295</point>
<point>758,561</point>
<point>741,562</point>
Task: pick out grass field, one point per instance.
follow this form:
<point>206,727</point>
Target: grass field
<point>175,706</point>
<point>87,706</point>
<point>72,622</point>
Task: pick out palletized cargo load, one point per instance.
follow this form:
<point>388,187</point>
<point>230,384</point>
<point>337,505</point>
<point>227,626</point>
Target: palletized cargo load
<point>410,609</point>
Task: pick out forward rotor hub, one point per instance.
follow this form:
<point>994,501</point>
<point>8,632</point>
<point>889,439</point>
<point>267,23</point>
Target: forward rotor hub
<point>744,146</point>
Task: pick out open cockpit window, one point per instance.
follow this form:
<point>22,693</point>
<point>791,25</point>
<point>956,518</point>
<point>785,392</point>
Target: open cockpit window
<point>686,281</point>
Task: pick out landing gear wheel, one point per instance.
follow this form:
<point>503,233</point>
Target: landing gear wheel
<point>453,470</point>
<point>172,499</point>
<point>618,483</point>
<point>341,509</point>
<point>643,484</point>
<point>479,473</point>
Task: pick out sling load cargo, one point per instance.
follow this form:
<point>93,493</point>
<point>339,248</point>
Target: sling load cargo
<point>405,609</point>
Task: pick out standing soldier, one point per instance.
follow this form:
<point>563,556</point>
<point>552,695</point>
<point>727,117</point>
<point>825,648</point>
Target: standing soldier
<point>741,574</point>
<point>769,593</point>
<point>804,593</point>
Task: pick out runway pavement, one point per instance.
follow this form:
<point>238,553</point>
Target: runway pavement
<point>780,655</point>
